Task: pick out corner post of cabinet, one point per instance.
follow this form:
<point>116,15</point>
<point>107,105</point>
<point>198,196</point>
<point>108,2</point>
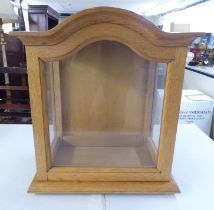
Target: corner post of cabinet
<point>39,112</point>
<point>171,108</point>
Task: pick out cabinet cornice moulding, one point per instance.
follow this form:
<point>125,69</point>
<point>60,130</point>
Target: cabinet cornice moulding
<point>108,15</point>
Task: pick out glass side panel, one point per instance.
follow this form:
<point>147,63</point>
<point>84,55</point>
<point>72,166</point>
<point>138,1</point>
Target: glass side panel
<point>158,103</point>
<point>103,107</point>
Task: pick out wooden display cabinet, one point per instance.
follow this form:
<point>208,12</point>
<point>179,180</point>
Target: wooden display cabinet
<point>93,82</point>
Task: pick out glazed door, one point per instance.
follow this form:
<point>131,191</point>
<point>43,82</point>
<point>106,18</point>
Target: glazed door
<point>104,108</point>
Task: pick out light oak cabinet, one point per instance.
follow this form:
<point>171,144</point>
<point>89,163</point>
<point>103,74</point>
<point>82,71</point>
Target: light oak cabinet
<point>93,82</point>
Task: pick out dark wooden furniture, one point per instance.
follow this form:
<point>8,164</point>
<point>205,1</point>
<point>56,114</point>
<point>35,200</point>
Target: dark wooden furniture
<point>42,17</point>
<point>14,50</point>
<point>14,106</point>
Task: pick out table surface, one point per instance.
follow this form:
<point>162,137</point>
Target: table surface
<point>193,170</point>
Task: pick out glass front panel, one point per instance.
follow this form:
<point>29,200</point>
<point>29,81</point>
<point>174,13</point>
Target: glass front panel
<point>104,108</point>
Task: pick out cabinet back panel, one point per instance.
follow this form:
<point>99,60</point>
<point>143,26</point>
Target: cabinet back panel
<point>104,89</point>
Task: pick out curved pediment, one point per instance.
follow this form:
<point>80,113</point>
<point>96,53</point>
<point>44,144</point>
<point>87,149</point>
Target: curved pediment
<point>102,15</point>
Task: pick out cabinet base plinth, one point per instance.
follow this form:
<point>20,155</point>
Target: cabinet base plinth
<point>65,187</point>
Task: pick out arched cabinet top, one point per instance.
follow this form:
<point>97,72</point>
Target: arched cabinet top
<point>106,15</point>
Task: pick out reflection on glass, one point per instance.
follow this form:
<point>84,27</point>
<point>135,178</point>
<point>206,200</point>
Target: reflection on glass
<point>102,107</point>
